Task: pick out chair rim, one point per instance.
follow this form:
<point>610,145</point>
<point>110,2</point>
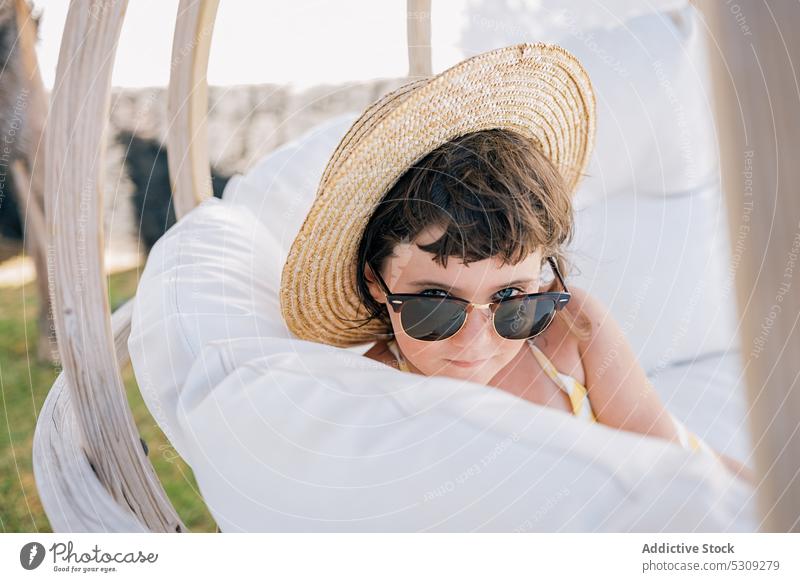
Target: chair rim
<point>84,484</point>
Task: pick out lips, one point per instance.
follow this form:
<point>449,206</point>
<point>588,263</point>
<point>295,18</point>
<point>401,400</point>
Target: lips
<point>466,363</point>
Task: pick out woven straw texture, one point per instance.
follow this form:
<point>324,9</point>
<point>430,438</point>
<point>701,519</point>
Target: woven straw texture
<point>538,90</point>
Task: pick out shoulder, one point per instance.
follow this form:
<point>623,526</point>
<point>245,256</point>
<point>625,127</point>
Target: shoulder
<point>585,304</point>
<point>583,308</point>
<point>586,312</point>
<point>569,353</point>
<point>380,352</point>
<point>604,335</point>
<point>604,332</point>
<point>618,388</point>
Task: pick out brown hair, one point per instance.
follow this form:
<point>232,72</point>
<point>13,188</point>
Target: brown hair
<point>493,192</point>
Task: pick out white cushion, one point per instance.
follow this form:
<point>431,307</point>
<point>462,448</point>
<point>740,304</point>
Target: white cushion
<point>708,395</point>
<point>661,266</point>
<point>289,435</point>
<point>280,188</point>
<point>655,135</point>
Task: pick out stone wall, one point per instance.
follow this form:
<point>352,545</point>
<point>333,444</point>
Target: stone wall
<point>245,123</point>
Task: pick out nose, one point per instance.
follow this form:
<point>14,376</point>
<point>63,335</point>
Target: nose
<point>477,329</point>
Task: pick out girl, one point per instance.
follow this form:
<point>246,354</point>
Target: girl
<point>454,260</point>
<point>439,227</point>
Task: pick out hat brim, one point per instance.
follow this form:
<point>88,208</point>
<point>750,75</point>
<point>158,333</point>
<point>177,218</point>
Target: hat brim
<point>538,90</point>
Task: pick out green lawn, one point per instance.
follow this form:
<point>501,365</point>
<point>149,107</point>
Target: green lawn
<point>24,384</point>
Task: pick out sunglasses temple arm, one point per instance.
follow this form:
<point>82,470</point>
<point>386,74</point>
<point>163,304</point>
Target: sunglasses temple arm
<point>555,270</point>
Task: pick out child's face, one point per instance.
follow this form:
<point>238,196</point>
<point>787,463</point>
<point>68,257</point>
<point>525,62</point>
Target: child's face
<point>412,270</point>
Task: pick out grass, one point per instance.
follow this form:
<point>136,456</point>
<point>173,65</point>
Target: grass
<point>24,384</point>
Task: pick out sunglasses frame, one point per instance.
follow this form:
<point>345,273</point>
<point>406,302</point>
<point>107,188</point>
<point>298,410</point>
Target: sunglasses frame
<point>560,299</point>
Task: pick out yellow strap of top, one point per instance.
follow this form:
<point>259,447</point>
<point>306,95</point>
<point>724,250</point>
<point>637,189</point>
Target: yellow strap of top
<point>576,391</point>
<point>690,440</point>
<point>401,362</point>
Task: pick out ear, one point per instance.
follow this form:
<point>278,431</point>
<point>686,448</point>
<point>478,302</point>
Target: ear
<point>372,284</point>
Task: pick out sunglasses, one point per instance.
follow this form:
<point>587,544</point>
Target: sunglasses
<point>430,318</point>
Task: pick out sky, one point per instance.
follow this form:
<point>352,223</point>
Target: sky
<point>308,42</point>
<point>300,43</point>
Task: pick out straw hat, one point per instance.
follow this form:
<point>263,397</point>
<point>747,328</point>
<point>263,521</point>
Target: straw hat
<point>539,90</point>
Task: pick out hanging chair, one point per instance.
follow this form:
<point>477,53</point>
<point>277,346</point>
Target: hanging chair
<point>91,469</point>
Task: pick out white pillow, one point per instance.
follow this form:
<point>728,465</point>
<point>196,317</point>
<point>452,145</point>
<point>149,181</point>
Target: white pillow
<point>655,135</point>
<point>280,188</point>
<point>661,266</point>
<point>708,395</point>
<point>289,435</point>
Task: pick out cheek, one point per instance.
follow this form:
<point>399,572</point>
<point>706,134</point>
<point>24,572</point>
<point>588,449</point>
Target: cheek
<point>424,354</point>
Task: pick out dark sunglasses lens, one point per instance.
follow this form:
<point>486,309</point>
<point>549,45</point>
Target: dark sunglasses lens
<point>432,318</point>
<point>524,318</point>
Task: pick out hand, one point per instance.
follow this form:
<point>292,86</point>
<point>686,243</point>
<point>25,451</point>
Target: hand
<point>737,468</point>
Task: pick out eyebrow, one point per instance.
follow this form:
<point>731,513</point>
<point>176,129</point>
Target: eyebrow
<point>440,285</point>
